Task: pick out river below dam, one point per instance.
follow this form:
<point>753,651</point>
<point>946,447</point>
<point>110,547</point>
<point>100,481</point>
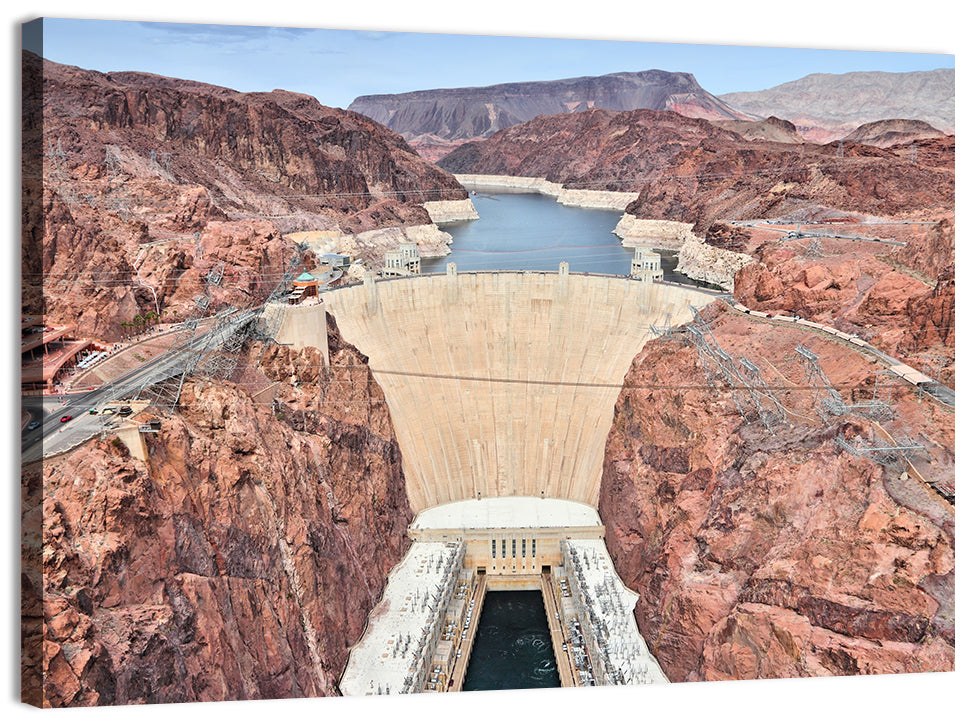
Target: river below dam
<point>513,648</point>
<point>531,231</point>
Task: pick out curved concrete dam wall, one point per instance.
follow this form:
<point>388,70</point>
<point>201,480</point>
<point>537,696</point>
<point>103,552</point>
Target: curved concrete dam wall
<point>503,384</point>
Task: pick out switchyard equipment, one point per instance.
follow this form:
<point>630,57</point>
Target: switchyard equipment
<point>615,652</point>
<point>832,404</point>
<point>742,378</point>
<point>395,655</point>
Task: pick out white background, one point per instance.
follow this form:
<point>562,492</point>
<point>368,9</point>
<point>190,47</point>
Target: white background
<point>933,27</point>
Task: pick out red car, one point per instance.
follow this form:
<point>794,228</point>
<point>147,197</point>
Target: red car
<point>64,419</point>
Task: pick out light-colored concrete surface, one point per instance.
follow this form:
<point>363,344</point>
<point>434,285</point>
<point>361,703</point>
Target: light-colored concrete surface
<point>299,326</point>
<point>507,512</point>
<point>618,653</point>
<point>405,626</point>
<point>503,384</point>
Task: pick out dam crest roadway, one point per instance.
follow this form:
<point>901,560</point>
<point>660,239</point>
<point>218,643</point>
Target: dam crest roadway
<point>501,388</point>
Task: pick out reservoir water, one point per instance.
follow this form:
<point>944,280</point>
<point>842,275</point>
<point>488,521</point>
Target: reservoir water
<point>513,648</point>
<point>530,231</point>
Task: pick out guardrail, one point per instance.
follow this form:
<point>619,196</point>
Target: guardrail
<point>390,279</point>
<point>902,371</point>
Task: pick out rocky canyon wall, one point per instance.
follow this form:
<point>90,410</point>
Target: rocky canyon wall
<point>761,555</point>
<point>239,562</point>
<point>149,183</point>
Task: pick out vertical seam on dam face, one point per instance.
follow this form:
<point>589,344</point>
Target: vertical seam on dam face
<point>509,391</point>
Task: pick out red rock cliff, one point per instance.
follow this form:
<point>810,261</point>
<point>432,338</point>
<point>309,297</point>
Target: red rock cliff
<point>143,176</point>
<point>766,556</point>
<point>239,562</point>
<point>691,171</point>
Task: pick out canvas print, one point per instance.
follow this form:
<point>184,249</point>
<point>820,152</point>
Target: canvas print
<point>352,370</point>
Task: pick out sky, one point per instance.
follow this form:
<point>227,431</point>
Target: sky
<point>338,65</point>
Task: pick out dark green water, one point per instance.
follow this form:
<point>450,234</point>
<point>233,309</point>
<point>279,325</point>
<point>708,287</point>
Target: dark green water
<point>529,231</point>
<point>513,649</point>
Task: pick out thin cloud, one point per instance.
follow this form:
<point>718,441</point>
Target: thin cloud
<point>372,34</point>
<point>223,35</point>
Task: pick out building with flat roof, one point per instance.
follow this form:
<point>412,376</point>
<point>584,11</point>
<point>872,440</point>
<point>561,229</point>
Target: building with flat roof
<point>395,655</point>
<point>49,353</point>
<point>336,260</point>
<point>420,636</point>
<point>511,539</point>
<point>405,260</point>
<point>646,265</point>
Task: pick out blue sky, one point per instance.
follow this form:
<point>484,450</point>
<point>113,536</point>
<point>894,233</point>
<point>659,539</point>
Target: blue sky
<point>336,66</point>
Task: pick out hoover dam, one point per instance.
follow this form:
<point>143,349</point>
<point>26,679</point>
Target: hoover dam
<point>503,384</point>
<point>501,387</point>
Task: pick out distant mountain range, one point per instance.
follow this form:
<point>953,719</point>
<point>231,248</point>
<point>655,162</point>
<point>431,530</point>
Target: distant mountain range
<point>694,171</point>
<point>435,121</point>
<point>821,107</point>
<point>825,107</point>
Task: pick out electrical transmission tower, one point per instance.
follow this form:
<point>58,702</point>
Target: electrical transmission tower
<point>832,404</point>
<point>112,161</point>
<point>162,165</point>
<point>665,331</point>
<point>894,452</point>
<point>814,249</point>
<point>743,378</point>
<point>933,366</point>
<point>165,391</point>
<point>58,173</point>
<point>58,160</point>
<point>215,354</point>
<point>267,326</point>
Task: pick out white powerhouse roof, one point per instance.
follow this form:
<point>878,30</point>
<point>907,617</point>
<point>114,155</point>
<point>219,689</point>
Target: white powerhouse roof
<point>390,649</point>
<point>612,605</point>
<point>508,512</point>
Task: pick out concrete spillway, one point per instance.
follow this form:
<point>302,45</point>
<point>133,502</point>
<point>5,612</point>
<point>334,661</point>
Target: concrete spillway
<point>503,384</point>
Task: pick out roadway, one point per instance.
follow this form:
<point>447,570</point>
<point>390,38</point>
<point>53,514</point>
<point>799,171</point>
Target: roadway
<point>55,437</point>
<point>465,647</point>
<point>797,234</point>
<point>564,663</point>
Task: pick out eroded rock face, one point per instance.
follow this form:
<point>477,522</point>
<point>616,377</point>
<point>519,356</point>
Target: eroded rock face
<point>825,106</point>
<point>933,253</point>
<point>889,300</point>
<point>430,119</point>
<point>773,556</point>
<point>240,561</point>
<point>148,178</point>
<point>692,171</point>
<point>711,264</point>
